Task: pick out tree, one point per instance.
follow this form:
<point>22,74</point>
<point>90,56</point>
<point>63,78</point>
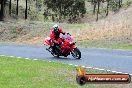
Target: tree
<point>94,7</point>
<point>2,10</point>
<point>96,2</point>
<point>10,8</point>
<point>39,5</point>
<point>115,5</point>
<point>26,10</point>
<point>107,8</point>
<point>73,9</point>
<point>120,3</point>
<point>17,7</point>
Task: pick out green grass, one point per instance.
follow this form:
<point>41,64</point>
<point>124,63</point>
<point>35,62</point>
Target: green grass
<point>7,42</point>
<point>122,46</point>
<point>21,73</point>
<point>99,44</point>
<point>92,44</point>
<point>67,26</point>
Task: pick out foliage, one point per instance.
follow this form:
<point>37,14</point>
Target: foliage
<point>113,4</point>
<point>39,4</point>
<point>13,29</point>
<point>73,9</point>
<point>127,4</point>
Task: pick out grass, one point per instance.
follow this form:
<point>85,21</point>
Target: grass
<point>122,46</point>
<point>21,73</point>
<point>7,43</point>
<point>91,44</point>
<point>98,44</point>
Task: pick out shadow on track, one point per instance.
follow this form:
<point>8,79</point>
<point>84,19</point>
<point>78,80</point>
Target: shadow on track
<point>64,58</point>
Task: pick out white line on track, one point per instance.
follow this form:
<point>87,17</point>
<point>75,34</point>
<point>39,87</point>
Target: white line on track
<point>35,59</point>
<point>95,68</point>
<point>84,66</point>
<point>2,55</point>
<point>71,64</point>
<point>101,69</point>
<point>114,71</point>
<point>119,72</point>
<point>11,56</point>
<point>26,58</point>
<point>76,65</point>
<point>108,70</point>
<point>88,67</point>
<point>19,57</point>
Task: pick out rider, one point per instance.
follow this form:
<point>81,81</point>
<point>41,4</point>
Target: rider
<point>55,35</point>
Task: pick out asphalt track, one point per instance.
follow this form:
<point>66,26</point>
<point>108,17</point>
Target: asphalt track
<point>116,60</point>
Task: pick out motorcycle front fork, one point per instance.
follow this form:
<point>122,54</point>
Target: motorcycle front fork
<point>49,49</point>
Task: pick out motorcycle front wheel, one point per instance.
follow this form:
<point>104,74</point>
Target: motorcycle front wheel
<point>76,53</point>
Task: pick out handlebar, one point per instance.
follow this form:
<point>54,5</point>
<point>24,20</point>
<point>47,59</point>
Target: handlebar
<point>68,34</point>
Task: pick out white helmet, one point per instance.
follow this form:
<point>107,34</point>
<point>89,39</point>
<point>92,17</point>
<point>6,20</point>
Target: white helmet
<point>56,28</point>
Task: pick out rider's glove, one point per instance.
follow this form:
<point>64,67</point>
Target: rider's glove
<point>68,33</point>
<point>64,33</point>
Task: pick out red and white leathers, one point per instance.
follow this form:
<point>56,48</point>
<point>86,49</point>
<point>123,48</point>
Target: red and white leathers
<point>55,36</point>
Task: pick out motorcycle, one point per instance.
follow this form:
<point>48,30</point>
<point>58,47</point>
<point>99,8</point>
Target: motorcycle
<point>66,48</point>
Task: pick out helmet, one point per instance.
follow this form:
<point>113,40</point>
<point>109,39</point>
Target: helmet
<point>56,28</point>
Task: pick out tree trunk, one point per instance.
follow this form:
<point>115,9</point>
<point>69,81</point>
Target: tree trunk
<point>98,11</point>
<point>53,18</point>
<point>107,11</point>
<point>60,15</point>
<point>10,8</point>
<point>26,10</point>
<point>94,8</point>
<point>2,10</point>
<point>17,8</point>
<point>120,3</point>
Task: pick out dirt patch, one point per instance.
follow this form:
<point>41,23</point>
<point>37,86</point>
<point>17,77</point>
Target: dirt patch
<point>30,40</point>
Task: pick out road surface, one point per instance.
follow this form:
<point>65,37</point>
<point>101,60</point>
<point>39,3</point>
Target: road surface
<point>117,60</point>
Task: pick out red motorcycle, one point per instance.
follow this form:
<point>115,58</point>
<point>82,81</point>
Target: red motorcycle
<point>66,48</point>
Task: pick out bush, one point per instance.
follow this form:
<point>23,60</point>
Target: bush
<point>127,4</point>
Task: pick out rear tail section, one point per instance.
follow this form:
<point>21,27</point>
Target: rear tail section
<point>47,41</point>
